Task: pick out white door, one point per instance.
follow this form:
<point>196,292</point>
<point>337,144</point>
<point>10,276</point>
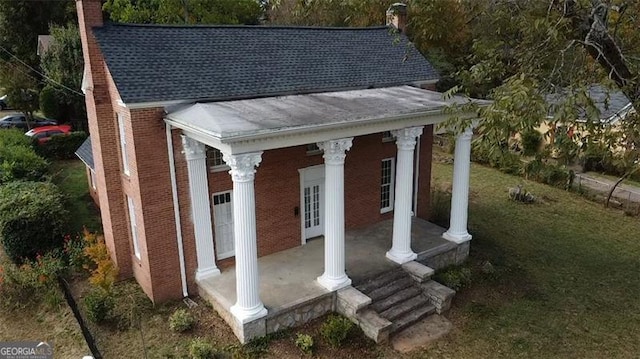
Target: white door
<point>223,223</point>
<point>312,201</point>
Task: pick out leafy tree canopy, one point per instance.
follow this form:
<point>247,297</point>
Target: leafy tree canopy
<point>248,12</point>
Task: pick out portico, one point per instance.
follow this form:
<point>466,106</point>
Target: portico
<point>243,130</point>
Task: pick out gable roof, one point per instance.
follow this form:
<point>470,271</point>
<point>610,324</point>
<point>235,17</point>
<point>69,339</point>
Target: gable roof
<point>153,63</point>
<point>85,153</point>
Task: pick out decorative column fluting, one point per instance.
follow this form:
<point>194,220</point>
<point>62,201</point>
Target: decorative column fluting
<point>195,154</point>
<point>334,276</point>
<point>400,251</point>
<point>248,306</point>
<point>457,231</point>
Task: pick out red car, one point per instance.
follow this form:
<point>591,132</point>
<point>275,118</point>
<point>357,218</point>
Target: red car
<point>44,133</point>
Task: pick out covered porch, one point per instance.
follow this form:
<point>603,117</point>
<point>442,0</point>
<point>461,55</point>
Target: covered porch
<point>288,286</point>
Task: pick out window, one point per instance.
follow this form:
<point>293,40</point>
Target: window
<point>92,177</point>
<point>387,185</point>
<point>313,149</point>
<point>387,136</point>
<point>123,146</point>
<point>214,160</point>
<point>134,227</point>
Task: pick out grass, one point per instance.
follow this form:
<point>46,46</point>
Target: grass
<point>71,177</point>
<point>566,282</point>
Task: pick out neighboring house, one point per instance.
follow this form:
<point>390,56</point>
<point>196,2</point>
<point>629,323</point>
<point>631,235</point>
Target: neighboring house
<point>44,41</point>
<point>322,130</point>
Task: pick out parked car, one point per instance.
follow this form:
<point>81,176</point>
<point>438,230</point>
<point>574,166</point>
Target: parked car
<point>18,120</point>
<point>3,103</point>
<point>44,133</point>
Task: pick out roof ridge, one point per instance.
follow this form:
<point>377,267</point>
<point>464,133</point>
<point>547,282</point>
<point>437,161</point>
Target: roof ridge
<point>269,27</point>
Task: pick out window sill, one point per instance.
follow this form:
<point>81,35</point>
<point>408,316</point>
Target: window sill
<point>386,210</point>
<point>219,168</point>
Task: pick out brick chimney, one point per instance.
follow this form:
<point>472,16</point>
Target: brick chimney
<point>397,16</point>
<point>102,127</point>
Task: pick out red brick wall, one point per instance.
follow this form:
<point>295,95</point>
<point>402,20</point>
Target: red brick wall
<point>424,175</point>
<point>103,130</point>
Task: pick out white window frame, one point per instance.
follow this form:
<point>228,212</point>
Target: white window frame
<point>216,168</point>
<point>123,145</point>
<point>134,227</point>
<point>391,184</point>
<point>92,178</point>
<point>387,136</point>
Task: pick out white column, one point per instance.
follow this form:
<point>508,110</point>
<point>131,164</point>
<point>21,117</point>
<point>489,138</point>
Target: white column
<point>400,251</point>
<point>243,168</point>
<point>457,231</point>
<point>195,154</point>
<point>334,276</point>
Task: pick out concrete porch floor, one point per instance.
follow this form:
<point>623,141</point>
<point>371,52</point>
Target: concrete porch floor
<point>288,278</point>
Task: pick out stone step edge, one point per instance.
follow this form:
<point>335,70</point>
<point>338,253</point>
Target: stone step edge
<point>401,323</point>
<point>375,294</point>
<point>350,301</point>
<point>418,271</point>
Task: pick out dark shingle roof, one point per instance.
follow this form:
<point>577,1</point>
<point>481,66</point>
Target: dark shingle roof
<point>608,101</point>
<point>85,153</point>
<point>162,63</point>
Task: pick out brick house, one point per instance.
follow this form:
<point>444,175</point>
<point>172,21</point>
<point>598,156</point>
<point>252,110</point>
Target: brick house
<point>213,146</point>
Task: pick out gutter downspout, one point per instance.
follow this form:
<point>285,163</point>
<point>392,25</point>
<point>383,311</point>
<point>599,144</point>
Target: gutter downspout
<point>176,211</point>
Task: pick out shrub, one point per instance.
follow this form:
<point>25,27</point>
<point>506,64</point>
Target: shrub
<point>455,277</point>
<point>32,218</point>
<point>14,137</point>
<point>32,281</point>
<point>103,271</point>
<point>61,147</point>
<point>21,163</point>
<point>531,140</point>
<point>201,349</point>
<point>336,329</point>
<point>73,248</point>
<point>440,206</point>
<point>99,305</point>
<point>305,343</point>
<point>49,105</point>
<point>181,320</point>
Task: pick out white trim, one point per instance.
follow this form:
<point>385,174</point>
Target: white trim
<point>392,184</point>
<point>176,212</point>
<point>92,178</point>
<point>123,145</point>
<point>153,104</point>
<point>134,227</point>
<point>416,174</point>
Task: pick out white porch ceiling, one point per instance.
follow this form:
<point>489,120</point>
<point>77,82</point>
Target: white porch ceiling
<point>381,109</point>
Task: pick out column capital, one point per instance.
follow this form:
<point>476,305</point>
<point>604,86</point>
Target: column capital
<point>243,166</point>
<point>193,149</point>
<point>406,137</point>
<point>467,134</point>
<point>334,150</point>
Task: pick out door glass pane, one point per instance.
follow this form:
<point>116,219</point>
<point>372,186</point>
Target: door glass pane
<point>307,207</point>
<point>316,205</point>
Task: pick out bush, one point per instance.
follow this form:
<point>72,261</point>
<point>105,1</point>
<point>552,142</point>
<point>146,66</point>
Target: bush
<point>103,271</point>
<point>32,218</point>
<point>14,137</point>
<point>336,329</point>
<point>531,140</point>
<point>61,147</point>
<point>21,163</point>
<point>305,343</point>
<point>73,249</point>
<point>32,281</point>
<point>454,277</point>
<point>440,206</point>
<point>181,320</point>
<point>99,305</point>
<point>201,349</point>
<point>49,105</point>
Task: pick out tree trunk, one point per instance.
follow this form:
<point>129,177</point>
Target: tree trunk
<point>615,185</point>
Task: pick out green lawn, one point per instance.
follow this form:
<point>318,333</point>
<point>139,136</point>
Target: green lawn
<point>567,277</point>
<point>71,177</point>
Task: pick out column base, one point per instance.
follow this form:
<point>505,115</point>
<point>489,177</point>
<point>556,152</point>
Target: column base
<point>245,315</point>
<point>401,258</point>
<point>457,238</point>
<point>202,274</point>
<point>334,283</point>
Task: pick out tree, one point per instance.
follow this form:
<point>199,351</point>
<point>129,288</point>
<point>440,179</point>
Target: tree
<point>64,65</point>
<point>248,12</point>
<point>21,88</point>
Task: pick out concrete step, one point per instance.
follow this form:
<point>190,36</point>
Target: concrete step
<point>373,325</point>
<point>411,317</point>
<point>380,281</point>
<point>396,298</point>
<point>380,293</point>
<point>408,305</point>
